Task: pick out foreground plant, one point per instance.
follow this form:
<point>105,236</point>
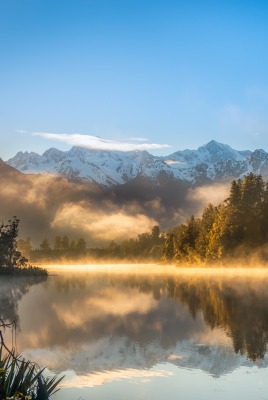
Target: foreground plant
<point>21,379</point>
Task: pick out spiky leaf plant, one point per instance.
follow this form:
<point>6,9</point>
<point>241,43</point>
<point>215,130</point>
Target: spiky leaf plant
<point>23,380</point>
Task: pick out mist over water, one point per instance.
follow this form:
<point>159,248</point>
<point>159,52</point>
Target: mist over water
<point>138,328</point>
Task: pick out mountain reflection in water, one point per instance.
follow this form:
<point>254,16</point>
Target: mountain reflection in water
<point>95,322</point>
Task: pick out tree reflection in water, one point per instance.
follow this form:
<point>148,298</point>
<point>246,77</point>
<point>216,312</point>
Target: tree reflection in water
<point>78,307</point>
<point>238,306</point>
<point>12,289</point>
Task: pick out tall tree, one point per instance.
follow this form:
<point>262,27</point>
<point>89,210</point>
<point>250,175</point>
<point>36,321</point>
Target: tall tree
<point>81,244</point>
<point>10,257</point>
<point>57,243</point>
<point>186,240</point>
<point>45,246</point>
<point>168,248</point>
<point>65,242</point>
<point>208,218</point>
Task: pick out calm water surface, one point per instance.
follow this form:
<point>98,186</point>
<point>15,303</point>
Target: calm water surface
<point>144,333</point>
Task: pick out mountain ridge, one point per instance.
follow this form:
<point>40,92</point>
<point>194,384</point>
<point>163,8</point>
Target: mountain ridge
<point>210,162</point>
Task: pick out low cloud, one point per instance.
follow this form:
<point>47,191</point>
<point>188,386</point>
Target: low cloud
<point>49,205</point>
<point>209,194</point>
<point>98,143</point>
<point>101,224</point>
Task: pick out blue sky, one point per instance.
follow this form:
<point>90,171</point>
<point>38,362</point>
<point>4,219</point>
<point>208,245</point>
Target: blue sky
<point>176,73</point>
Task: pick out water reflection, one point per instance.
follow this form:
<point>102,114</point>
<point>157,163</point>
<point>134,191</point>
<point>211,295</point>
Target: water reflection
<point>239,306</point>
<point>99,322</point>
<point>12,289</point>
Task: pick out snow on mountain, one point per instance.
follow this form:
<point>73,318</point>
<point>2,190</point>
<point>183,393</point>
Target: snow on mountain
<point>122,354</point>
<point>107,168</point>
<point>212,161</point>
<point>210,153</point>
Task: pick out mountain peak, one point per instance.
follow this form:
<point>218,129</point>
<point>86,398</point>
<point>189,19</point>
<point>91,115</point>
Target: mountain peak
<point>214,145</point>
<point>211,161</point>
<point>219,152</point>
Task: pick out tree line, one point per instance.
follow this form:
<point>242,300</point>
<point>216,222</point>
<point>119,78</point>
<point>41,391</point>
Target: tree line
<point>60,247</point>
<point>146,246</point>
<point>233,228</point>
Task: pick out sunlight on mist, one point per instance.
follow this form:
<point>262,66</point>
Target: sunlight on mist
<point>238,270</point>
<point>209,194</point>
<point>101,224</point>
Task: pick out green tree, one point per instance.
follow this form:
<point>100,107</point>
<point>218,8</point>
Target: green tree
<point>10,257</point>
<point>65,242</point>
<point>72,245</point>
<point>235,197</point>
<point>252,197</point>
<point>215,247</point>
<point>45,246</point>
<point>264,216</point>
<point>168,248</point>
<point>57,243</point>
<point>81,244</point>
<point>155,234</point>
<point>202,241</point>
<point>186,240</point>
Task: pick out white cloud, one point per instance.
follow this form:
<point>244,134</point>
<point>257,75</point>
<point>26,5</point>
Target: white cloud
<point>98,143</point>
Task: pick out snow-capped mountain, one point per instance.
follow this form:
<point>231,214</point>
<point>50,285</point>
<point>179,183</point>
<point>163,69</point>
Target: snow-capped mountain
<point>213,161</point>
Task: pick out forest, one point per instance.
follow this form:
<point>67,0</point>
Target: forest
<point>236,228</point>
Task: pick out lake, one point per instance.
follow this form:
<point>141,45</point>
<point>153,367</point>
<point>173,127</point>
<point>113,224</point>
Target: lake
<point>144,331</point>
